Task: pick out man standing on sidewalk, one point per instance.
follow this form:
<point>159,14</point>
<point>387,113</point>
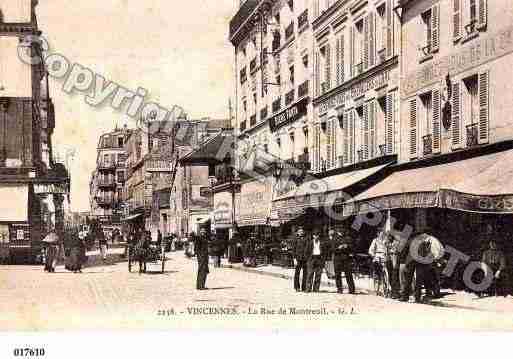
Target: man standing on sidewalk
<point>201,243</point>
<point>341,247</point>
<point>317,250</point>
<point>300,262</point>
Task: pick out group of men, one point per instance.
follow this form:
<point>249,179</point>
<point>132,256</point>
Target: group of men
<point>311,253</point>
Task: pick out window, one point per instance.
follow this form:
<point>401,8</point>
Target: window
<point>291,69</point>
<point>120,141</point>
<point>121,176</point>
<point>357,48</point>
<point>425,118</point>
<point>325,63</point>
<point>471,15</point>
<point>431,31</point>
<point>381,33</point>
<point>470,109</point>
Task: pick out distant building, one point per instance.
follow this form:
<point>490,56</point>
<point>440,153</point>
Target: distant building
<point>108,178</point>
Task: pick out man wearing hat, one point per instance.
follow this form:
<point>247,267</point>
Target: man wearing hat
<point>342,247</point>
<point>317,251</point>
<point>300,260</point>
<point>496,261</point>
<point>201,243</point>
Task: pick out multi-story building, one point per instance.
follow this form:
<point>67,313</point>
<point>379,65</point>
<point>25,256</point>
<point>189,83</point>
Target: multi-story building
<point>455,133</point>
<point>274,113</point>
<point>32,186</point>
<point>107,180</point>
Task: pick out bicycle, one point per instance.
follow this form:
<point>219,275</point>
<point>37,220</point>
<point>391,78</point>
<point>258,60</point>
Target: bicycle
<point>380,278</point>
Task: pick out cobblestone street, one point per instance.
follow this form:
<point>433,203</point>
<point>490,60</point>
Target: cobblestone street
<point>108,297</point>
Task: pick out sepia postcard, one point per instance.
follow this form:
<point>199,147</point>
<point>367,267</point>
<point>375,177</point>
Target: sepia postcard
<point>255,164</point>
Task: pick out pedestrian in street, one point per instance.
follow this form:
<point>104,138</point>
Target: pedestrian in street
<point>102,243</point>
<point>300,260</point>
<point>77,255</point>
<point>496,263</point>
<point>317,250</point>
<point>342,248</point>
<point>381,250</point>
<point>201,243</point>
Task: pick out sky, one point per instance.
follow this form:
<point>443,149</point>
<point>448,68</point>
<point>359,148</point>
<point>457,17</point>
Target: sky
<point>177,50</point>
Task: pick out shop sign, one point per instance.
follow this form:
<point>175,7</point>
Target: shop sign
<point>289,115</point>
<point>371,83</point>
<point>222,208</point>
<point>474,203</point>
<point>404,200</point>
<point>51,188</point>
<point>477,52</point>
<point>254,201</point>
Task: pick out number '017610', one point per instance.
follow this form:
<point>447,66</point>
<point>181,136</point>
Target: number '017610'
<point>29,352</point>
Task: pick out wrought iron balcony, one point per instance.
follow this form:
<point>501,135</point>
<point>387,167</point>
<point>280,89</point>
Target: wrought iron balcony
<point>472,135</point>
<point>427,141</point>
<point>426,50</point>
<point>289,97</point>
<point>289,31</point>
<point>383,150</point>
<point>302,20</point>
<point>277,104</point>
<point>252,120</point>
<point>106,182</point>
<point>302,90</point>
<point>471,27</point>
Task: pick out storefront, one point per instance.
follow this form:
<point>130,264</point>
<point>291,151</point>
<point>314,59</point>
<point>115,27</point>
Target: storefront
<point>463,203</point>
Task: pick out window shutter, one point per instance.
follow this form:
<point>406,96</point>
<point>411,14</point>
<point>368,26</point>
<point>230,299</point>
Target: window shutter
<point>366,42</point>
<point>317,75</point>
<point>436,121</point>
<point>337,62</point>
<point>390,123</point>
<point>318,148</point>
<point>435,33</point>
<point>351,51</point>
<point>372,39</point>
<point>413,128</point>
<point>340,60</point>
<point>365,130</point>
<point>328,144</point>
<point>372,129</point>
<point>456,23</point>
<point>328,67</point>
<point>484,114</point>
<point>334,142</point>
<point>390,29</point>
<point>456,125</point>
<point>345,124</point>
<point>483,14</point>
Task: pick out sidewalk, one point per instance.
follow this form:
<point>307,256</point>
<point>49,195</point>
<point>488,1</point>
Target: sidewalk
<point>362,284</point>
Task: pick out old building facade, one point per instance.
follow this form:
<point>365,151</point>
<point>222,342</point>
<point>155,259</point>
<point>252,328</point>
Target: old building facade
<point>33,187</point>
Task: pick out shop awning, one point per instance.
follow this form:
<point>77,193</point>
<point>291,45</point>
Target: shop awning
<point>320,192</point>
<point>14,203</point>
<point>478,184</point>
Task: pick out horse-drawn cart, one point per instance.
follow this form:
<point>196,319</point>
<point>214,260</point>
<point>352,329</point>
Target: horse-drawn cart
<point>152,253</point>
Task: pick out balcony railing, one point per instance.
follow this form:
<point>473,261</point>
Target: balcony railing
<point>106,165</point>
<point>289,97</point>
<point>302,20</point>
<point>302,90</point>
<point>472,135</point>
<point>427,144</point>
<point>277,104</point>
<point>106,182</point>
<point>289,31</point>
<point>263,114</point>
<point>252,120</point>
